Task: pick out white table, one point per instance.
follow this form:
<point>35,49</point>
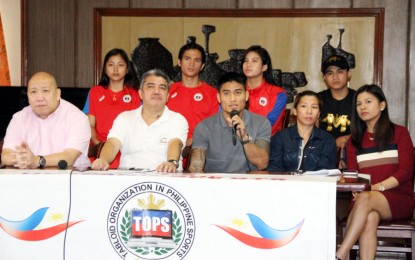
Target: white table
<point>211,215</point>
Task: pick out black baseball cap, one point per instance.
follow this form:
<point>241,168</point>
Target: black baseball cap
<point>335,60</point>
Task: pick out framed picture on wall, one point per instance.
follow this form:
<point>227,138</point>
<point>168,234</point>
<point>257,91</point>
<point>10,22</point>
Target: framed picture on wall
<point>293,37</point>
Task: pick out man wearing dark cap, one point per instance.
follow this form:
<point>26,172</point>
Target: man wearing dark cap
<point>337,98</point>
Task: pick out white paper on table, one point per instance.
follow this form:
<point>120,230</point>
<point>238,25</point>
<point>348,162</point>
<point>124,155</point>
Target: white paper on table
<point>324,172</point>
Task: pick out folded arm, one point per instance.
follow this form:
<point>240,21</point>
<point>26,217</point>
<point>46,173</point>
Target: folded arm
<point>23,158</point>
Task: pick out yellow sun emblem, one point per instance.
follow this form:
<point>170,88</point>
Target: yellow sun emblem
<point>240,223</point>
<point>151,203</point>
<point>56,217</point>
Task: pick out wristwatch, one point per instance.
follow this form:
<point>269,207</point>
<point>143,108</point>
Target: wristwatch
<point>247,141</point>
<point>381,188</point>
<point>42,162</point>
<point>175,162</point>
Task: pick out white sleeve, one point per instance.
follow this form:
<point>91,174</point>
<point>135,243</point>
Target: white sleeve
<point>119,128</point>
<point>179,128</point>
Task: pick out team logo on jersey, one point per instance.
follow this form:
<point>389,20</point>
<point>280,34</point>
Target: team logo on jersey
<point>198,97</point>
<point>173,95</point>
<point>101,98</point>
<point>263,101</point>
<point>126,98</point>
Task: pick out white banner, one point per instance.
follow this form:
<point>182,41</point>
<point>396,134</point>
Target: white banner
<point>126,215</point>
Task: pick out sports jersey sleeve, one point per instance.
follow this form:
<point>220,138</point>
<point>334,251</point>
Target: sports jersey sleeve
<point>86,106</point>
<point>276,115</point>
<point>92,101</point>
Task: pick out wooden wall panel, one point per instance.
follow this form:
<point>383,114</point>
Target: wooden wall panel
<point>395,54</point>
<point>265,4</point>
<point>65,42</point>
<point>323,4</point>
<point>51,39</point>
<point>156,3</point>
<point>85,35</point>
<point>210,4</point>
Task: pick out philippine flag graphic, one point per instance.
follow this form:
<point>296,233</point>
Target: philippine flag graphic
<point>41,225</point>
<point>258,234</point>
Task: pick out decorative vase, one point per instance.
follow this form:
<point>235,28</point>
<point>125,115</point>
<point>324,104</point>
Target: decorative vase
<point>151,54</point>
<point>235,62</point>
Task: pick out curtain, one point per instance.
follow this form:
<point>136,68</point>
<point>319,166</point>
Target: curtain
<point>4,66</point>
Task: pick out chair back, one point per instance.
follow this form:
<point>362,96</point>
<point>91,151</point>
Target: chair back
<point>286,119</point>
<point>289,119</point>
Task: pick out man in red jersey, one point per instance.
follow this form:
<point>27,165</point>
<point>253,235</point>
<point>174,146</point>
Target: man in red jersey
<point>191,97</point>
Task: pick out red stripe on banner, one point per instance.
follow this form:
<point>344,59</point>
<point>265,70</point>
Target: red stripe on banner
<point>39,234</point>
<point>258,242</point>
<point>4,65</point>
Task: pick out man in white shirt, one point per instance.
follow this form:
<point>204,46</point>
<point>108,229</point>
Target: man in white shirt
<point>151,136</point>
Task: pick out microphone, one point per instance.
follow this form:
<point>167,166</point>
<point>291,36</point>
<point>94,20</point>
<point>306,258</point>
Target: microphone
<point>62,165</point>
<point>232,114</point>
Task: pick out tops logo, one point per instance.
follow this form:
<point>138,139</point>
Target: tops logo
<point>151,221</point>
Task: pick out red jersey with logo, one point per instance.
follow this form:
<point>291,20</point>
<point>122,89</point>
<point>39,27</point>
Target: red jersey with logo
<point>269,101</point>
<point>106,105</point>
<point>195,104</point>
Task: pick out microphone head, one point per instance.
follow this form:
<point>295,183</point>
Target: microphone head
<point>62,164</point>
<point>234,113</point>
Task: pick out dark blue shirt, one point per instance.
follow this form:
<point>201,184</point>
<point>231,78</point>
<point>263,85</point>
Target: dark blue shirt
<point>320,152</point>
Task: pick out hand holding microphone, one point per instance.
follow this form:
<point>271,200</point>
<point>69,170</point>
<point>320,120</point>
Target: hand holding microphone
<point>238,128</point>
<point>232,114</point>
<point>235,126</point>
<point>237,122</point>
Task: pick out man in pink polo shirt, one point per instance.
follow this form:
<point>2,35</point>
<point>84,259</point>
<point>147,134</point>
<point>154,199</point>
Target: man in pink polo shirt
<point>47,131</point>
